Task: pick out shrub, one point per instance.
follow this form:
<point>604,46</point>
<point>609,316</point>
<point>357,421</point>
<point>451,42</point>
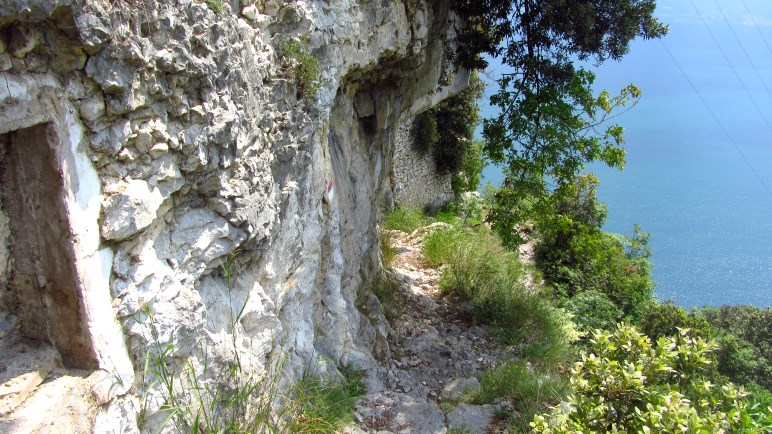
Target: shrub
<point>665,319</point>
<point>424,132</point>
<point>627,384</point>
<point>456,119</point>
<point>576,256</point>
<point>747,355</point>
<point>751,323</point>
<point>472,164</point>
<point>446,131</point>
<point>305,66</point>
<point>593,310</point>
<point>740,361</point>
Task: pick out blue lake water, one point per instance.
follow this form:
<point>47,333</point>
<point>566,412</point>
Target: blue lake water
<point>699,162</point>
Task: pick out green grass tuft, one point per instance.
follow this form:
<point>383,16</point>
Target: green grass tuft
<point>529,390</point>
<point>388,252</point>
<point>326,406</point>
<point>305,66</point>
<point>215,5</point>
<point>405,219</point>
<point>479,270</point>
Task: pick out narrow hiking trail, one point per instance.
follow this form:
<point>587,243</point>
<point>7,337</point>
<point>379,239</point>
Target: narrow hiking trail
<point>437,356</point>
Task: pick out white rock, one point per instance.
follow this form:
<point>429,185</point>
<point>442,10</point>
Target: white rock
<point>418,417</point>
<point>143,140</point>
<point>131,210</point>
<point>250,12</point>
<point>158,149</point>
<point>459,387</point>
<point>92,108</point>
<point>120,417</point>
<point>311,259</point>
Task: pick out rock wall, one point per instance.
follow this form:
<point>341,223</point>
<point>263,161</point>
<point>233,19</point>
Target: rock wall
<point>195,204</point>
<point>416,179</point>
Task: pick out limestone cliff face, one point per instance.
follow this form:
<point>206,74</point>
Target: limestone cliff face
<point>194,201</point>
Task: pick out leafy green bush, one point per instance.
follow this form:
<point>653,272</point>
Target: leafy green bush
<point>405,219</point>
<point>735,357</point>
<point>745,342</point>
<point>472,164</point>
<point>305,66</point>
<point>751,323</point>
<point>740,361</point>
<point>593,310</point>
<point>665,319</point>
<point>627,384</point>
<point>468,209</point>
<point>456,118</point>
<point>759,397</point>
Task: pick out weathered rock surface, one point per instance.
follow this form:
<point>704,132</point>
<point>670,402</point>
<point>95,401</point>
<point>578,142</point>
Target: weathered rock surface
<point>130,210</point>
<point>471,418</point>
<point>63,404</point>
<point>25,366</point>
<point>188,174</point>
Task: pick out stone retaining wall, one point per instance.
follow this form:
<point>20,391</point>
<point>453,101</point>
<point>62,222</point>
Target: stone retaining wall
<point>416,180</point>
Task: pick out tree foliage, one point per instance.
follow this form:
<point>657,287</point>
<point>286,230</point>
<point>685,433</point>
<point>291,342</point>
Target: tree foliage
<point>665,319</point>
<point>549,124</point>
<point>744,334</point>
<point>447,130</point>
<point>456,118</point>
<point>424,132</point>
<point>751,323</point>
<point>629,384</point>
<point>741,334</point>
<point>576,256</point>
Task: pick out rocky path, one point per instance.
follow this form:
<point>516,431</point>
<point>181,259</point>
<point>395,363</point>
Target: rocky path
<point>437,357</point>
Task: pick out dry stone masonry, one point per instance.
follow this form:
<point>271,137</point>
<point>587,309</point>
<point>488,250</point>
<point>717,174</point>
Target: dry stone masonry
<point>416,179</point>
<point>164,186</point>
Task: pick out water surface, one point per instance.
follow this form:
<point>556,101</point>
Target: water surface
<point>699,164</point>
